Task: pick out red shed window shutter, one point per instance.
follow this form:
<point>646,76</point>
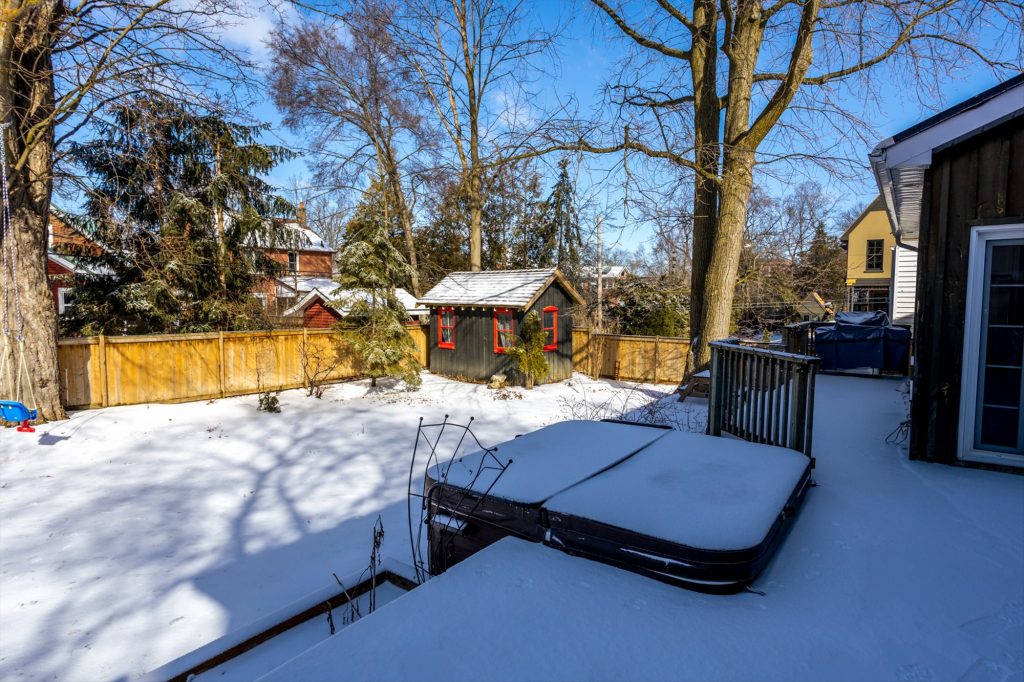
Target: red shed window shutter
<point>446,328</point>
<point>549,320</point>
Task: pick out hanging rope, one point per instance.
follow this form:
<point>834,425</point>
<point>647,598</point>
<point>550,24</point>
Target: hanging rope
<point>18,378</point>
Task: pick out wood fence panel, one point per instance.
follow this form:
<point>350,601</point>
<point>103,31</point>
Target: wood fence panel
<point>419,334</point>
<point>162,369</point>
<point>630,358</point>
<point>81,372</point>
<point>126,370</point>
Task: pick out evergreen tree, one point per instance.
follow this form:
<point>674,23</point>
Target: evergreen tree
<point>178,199</point>
<point>648,307</point>
<point>560,229</point>
<point>370,267</point>
<point>822,267</point>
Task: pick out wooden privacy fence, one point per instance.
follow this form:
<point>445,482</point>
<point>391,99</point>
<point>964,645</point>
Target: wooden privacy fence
<point>651,359</point>
<point>127,370</point>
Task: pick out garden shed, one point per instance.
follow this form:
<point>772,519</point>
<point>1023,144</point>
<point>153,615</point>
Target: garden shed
<point>474,317</point>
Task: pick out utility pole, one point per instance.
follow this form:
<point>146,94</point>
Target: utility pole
<point>600,279</point>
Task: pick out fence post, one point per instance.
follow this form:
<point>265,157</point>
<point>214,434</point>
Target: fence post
<point>220,346</point>
<point>657,356</point>
<point>104,397</point>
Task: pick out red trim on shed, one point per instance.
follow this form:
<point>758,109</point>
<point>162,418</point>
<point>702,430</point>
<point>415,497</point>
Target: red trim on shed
<point>550,342</point>
<point>503,326</point>
<point>442,328</point>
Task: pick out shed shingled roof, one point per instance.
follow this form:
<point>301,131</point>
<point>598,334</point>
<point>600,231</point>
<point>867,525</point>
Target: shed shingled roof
<point>512,288</point>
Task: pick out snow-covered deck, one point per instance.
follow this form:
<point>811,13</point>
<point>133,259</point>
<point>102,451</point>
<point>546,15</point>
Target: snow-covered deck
<point>130,536</point>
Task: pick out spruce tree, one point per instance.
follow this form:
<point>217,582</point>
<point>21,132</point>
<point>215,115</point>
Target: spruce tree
<point>560,228</point>
<point>370,267</point>
<point>178,199</point>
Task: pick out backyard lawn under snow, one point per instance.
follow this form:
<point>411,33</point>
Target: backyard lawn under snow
<point>133,535</point>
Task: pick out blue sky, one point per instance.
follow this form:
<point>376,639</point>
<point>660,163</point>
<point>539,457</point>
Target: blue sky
<point>587,52</point>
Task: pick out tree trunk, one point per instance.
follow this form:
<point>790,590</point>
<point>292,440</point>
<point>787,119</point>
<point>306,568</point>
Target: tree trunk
<point>476,215</point>
<point>410,242</point>
<point>26,104</point>
<point>707,121</point>
<point>720,281</point>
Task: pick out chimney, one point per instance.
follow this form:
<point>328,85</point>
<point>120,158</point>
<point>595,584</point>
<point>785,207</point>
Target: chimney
<point>300,214</point>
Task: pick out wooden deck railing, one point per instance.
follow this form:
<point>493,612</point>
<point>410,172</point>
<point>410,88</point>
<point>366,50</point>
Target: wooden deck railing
<point>799,338</point>
<point>762,396</point>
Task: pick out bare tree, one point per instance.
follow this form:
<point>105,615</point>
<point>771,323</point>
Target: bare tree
<point>718,87</point>
<point>470,55</point>
<point>339,79</point>
<point>60,64</point>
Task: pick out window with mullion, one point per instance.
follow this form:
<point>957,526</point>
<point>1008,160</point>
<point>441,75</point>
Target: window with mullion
<point>446,328</point>
<point>504,329</point>
<point>875,255</point>
<point>549,320</point>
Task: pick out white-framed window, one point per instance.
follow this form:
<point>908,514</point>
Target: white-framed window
<point>65,299</point>
<point>992,386</point>
<point>293,261</point>
<point>263,299</point>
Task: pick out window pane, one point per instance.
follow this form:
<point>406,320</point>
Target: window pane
<point>504,338</point>
<point>1008,264</point>
<point>1005,346</point>
<point>549,319</point>
<point>549,337</point>
<point>1006,304</point>
<point>446,334</point>
<point>999,427</point>
<point>1002,386</point>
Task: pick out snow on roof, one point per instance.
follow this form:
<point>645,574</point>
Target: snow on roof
<point>609,271</point>
<point>329,291</point>
<point>548,460</point>
<point>294,237</point>
<point>692,489</point>
<point>80,265</point>
<point>512,288</point>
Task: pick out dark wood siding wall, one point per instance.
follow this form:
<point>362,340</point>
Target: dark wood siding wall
<point>980,179</point>
<point>473,356</point>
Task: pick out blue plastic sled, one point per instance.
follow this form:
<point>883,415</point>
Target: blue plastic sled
<point>11,411</point>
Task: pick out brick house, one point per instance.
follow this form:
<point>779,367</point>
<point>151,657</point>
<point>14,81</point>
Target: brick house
<point>70,253</point>
<point>306,261</point>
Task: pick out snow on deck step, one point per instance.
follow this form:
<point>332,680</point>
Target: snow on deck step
<point>548,460</point>
<point>692,489</point>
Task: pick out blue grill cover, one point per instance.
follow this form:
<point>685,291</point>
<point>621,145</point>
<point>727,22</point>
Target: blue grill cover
<point>862,339</point>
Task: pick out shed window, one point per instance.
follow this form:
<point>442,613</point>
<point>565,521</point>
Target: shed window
<point>876,249</point>
<point>550,322</point>
<point>504,328</point>
<point>446,328</point>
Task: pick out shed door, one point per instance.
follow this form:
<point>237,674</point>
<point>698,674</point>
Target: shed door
<point>992,428</point>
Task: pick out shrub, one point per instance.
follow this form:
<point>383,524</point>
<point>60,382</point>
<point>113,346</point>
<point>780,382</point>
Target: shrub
<point>527,351</point>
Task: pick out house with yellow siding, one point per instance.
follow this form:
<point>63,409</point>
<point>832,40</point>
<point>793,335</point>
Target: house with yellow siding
<point>869,244</point>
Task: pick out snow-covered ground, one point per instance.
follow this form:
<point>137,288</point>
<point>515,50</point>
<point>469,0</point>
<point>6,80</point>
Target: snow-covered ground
<point>132,535</point>
<point>894,570</point>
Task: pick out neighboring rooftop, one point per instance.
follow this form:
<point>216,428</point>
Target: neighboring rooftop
<point>511,288</point>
